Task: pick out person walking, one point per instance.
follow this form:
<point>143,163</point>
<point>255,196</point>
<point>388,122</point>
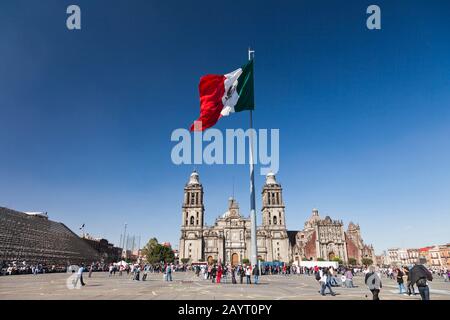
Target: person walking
<point>242,273</point>
<point>225,273</point>
<point>91,269</point>
<point>213,273</point>
<point>169,272</point>
<point>420,276</point>
<point>205,272</point>
<point>256,273</point>
<point>137,271</point>
<point>373,282</point>
<point>144,276</point>
<point>409,284</point>
<point>79,276</point>
<point>343,279</point>
<point>219,273</point>
<point>210,267</point>
<point>348,278</point>
<point>233,275</point>
<point>325,282</point>
<point>248,274</point>
<point>401,285</point>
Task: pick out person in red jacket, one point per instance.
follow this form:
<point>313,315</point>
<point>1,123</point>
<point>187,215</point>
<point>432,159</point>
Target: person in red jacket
<point>219,273</point>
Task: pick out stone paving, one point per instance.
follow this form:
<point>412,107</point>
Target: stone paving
<point>186,286</point>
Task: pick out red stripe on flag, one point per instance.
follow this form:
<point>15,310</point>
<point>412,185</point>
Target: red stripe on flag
<point>211,90</point>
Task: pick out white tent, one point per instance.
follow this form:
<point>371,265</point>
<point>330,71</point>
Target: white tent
<point>312,264</point>
<point>122,263</point>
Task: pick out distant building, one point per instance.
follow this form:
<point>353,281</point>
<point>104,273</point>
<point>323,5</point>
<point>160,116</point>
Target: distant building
<point>436,256</point>
<point>425,253</point>
<point>382,259</point>
<point>393,255</point>
<point>413,255</point>
<point>107,251</point>
<point>403,256</point>
<point>445,255</point>
<point>34,239</point>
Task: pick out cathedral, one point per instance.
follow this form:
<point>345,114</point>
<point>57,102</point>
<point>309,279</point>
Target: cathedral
<point>228,240</point>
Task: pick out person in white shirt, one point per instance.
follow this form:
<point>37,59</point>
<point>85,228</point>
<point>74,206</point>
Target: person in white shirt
<point>248,274</point>
<point>79,276</point>
<point>325,282</point>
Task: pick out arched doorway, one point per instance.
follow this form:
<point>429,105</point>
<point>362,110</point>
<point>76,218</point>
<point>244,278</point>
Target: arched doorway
<point>331,256</point>
<point>234,259</point>
<point>210,260</point>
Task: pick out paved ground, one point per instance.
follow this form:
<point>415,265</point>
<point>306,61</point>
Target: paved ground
<point>187,286</point>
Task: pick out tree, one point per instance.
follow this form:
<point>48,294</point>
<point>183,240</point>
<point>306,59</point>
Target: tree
<point>155,252</point>
<point>367,261</point>
<point>320,259</point>
<point>338,260</point>
<point>150,246</point>
<point>185,260</point>
<point>352,261</point>
<point>245,261</point>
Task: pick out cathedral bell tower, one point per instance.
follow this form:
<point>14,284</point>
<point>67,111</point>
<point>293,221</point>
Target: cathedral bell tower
<point>273,220</point>
<point>273,206</point>
<point>191,241</point>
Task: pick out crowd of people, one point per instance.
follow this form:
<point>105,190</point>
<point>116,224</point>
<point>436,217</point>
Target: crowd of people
<point>19,268</point>
<point>411,280</point>
<point>219,273</point>
<point>14,268</point>
<point>417,276</point>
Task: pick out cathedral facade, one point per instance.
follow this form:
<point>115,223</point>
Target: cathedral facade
<point>228,240</point>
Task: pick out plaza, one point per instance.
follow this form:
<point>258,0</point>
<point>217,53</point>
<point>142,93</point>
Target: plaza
<point>187,286</point>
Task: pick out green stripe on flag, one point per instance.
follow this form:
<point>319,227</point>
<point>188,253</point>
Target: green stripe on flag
<point>245,89</point>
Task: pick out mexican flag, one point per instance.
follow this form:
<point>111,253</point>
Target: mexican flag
<point>221,95</point>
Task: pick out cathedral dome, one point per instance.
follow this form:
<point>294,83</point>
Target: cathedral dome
<point>270,178</point>
<point>194,178</point>
<point>233,209</point>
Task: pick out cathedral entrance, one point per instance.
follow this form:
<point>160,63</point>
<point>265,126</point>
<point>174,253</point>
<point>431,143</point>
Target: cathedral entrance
<point>234,259</point>
<point>331,256</point>
<point>210,260</point>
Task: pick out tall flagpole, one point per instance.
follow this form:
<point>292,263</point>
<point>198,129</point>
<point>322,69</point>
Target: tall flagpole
<point>254,249</point>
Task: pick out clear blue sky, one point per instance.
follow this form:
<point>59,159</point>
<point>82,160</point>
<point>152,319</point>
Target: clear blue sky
<point>364,116</point>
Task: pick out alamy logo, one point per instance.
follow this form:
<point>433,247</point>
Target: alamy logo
<point>228,149</point>
<point>374,20</point>
<point>74,280</point>
<point>73,21</point>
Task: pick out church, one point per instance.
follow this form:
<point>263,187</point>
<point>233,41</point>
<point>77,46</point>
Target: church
<point>228,240</point>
